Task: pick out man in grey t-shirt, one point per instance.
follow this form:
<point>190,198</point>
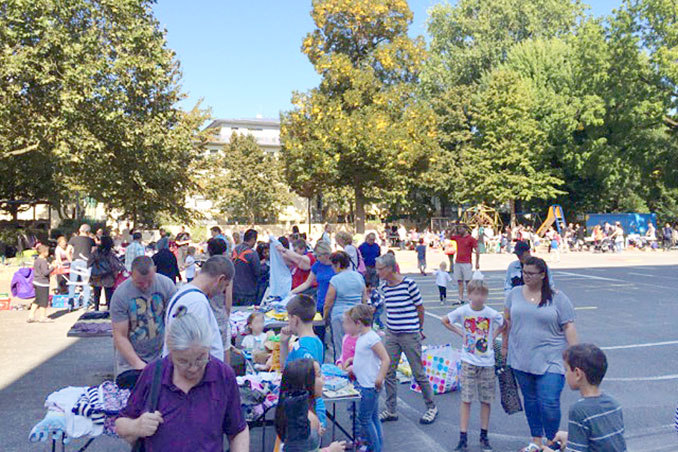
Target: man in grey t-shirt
<point>138,313</point>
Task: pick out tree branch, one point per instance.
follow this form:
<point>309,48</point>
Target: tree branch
<point>21,151</point>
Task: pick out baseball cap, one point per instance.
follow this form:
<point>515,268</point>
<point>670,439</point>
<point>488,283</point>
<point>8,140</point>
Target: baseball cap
<point>520,248</point>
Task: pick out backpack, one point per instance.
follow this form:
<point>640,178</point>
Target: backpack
<point>101,266</point>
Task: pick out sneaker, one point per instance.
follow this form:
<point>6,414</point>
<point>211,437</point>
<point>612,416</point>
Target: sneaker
<point>461,447</point>
<point>485,445</point>
<point>387,416</point>
<point>430,416</point>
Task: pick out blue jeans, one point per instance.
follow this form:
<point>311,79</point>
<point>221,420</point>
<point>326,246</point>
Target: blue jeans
<point>79,272</point>
<point>542,402</point>
<point>368,416</point>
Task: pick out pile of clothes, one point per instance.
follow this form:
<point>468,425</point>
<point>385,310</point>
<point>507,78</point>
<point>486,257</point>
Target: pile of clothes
<point>74,412</point>
<point>259,393</point>
<point>93,323</point>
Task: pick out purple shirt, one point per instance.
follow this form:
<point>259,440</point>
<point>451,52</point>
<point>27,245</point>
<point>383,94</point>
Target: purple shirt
<point>194,421</point>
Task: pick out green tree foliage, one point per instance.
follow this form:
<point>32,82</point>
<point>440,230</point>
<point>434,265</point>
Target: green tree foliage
<point>91,87</point>
<point>245,182</point>
<point>505,161</point>
<point>363,127</point>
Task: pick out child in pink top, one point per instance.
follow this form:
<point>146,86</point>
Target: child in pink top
<point>347,347</point>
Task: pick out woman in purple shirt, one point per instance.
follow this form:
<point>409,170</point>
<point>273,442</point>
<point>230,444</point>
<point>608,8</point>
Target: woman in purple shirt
<point>198,400</point>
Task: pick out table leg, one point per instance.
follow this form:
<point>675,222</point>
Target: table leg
<point>334,419</point>
<point>53,445</point>
<point>354,437</point>
<point>263,435</point>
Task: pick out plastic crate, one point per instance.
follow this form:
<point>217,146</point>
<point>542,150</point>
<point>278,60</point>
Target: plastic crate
<point>59,301</point>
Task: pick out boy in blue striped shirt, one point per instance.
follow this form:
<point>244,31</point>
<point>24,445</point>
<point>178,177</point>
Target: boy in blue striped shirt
<point>596,421</point>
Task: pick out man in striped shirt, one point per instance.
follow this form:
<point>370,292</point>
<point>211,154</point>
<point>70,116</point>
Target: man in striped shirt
<point>596,421</point>
<point>404,333</point>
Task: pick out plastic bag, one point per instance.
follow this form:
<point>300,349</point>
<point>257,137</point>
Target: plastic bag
<point>477,274</point>
<point>442,364</point>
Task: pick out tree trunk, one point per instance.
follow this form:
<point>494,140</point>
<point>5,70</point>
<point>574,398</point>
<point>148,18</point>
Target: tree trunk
<point>309,216</point>
<point>514,221</point>
<point>359,209</point>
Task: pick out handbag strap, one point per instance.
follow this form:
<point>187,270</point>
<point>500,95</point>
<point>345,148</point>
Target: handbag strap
<point>155,386</point>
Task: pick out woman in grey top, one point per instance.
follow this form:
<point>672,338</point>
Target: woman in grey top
<point>541,326</point>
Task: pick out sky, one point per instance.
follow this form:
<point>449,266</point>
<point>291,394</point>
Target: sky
<point>243,57</point>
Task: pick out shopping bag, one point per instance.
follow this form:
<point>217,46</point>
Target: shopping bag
<point>477,274</point>
<point>442,365</point>
<point>508,386</point>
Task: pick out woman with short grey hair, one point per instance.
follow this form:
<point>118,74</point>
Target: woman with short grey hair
<point>203,389</point>
<point>404,333</point>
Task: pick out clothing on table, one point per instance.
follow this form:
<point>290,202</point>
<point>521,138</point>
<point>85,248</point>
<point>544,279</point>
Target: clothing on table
<point>133,250</point>
<point>401,301</point>
<point>410,344</point>
<point>144,312</point>
<point>310,347</point>
<point>347,348</point>
<point>189,262</point>
<point>537,338</point>
<point>366,362</point>
<point>196,303</point>
<point>166,264</point>
<point>247,268</point>
<point>478,328</point>
<point>465,247</point>
<point>82,247</point>
<point>596,425</point>
<point>323,274</point>
<point>75,426</point>
<point>370,253</point>
<point>196,420</point>
<point>253,343</point>
<point>541,396</point>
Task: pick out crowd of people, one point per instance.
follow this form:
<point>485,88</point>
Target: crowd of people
<point>173,342</point>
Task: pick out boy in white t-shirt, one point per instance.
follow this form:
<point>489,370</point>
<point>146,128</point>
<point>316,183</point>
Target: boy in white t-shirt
<point>480,326</point>
<point>442,279</point>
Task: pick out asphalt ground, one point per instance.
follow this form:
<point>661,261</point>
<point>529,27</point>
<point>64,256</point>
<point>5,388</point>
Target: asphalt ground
<point>632,312</point>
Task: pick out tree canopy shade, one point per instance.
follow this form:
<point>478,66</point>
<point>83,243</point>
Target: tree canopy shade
<point>364,126</point>
<point>245,182</point>
<point>88,94</point>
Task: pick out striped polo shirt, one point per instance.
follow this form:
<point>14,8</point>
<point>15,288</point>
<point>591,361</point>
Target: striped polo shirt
<point>596,425</point>
<point>401,303</point>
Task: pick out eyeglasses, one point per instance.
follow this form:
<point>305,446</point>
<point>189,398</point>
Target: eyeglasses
<point>531,274</point>
<point>198,363</point>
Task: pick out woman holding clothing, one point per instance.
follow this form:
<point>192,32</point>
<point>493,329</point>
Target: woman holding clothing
<point>540,327</point>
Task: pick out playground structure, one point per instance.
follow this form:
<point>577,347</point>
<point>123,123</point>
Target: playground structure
<point>482,215</point>
<point>555,215</point>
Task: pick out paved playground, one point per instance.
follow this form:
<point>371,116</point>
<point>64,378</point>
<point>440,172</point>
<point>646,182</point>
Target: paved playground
<point>626,304</point>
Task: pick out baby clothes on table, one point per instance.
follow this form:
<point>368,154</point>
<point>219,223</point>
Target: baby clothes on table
<point>52,426</point>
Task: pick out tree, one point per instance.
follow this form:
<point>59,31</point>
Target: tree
<point>363,126</point>
<point>245,182</point>
<point>508,144</point>
<point>91,87</point>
